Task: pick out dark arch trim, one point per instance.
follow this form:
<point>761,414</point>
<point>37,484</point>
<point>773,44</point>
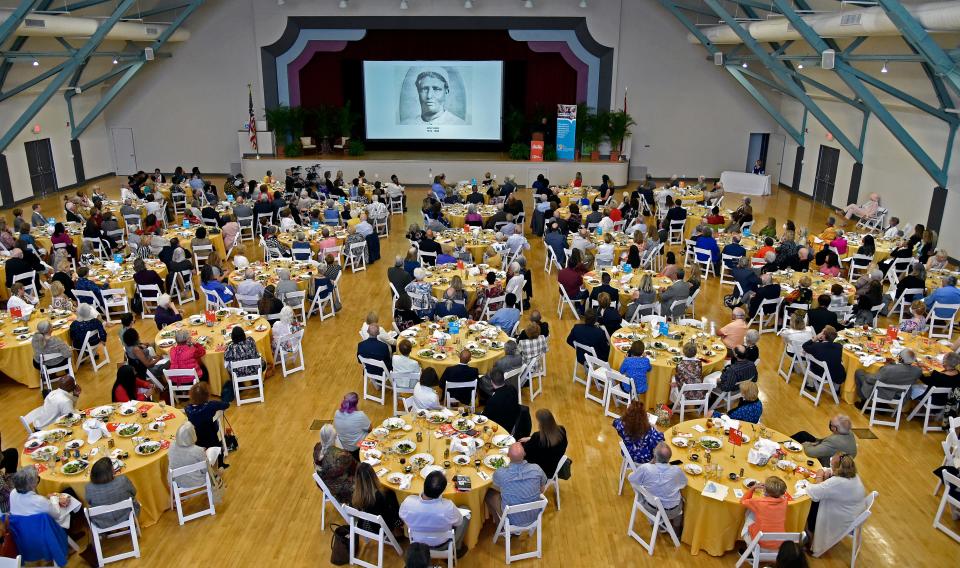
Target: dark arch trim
<point>295,24</point>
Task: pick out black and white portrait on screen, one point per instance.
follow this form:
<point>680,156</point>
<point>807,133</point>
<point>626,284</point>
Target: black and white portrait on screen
<point>434,95</point>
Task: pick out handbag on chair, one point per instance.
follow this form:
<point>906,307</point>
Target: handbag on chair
<point>340,545</point>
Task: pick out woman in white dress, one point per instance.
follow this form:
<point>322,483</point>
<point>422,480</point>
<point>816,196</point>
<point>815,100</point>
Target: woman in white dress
<point>425,396</point>
<point>838,500</point>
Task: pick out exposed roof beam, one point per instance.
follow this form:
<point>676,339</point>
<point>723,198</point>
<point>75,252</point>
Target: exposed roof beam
<point>941,63</point>
<point>18,44</point>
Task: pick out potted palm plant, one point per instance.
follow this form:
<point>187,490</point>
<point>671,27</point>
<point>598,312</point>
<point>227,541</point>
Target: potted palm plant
<point>618,129</point>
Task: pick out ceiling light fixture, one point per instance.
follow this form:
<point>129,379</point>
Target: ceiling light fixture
<point>528,4</point>
<point>343,4</point>
<point>115,61</point>
<point>467,4</point>
<point>884,68</point>
<point>404,5</point>
<point>583,3</point>
<point>36,63</point>
<point>800,66</point>
<point>744,65</point>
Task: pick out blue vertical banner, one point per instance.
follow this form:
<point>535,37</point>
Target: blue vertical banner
<point>566,132</point>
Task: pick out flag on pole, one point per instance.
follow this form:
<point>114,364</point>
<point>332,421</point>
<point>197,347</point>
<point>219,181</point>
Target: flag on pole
<point>252,123</point>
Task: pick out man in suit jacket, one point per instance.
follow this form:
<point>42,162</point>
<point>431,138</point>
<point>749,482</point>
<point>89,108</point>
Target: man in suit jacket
<point>460,373</point>
<point>587,333</point>
<point>679,290</point>
<point>499,217</point>
<point>823,348</point>
<point>821,317</point>
<point>840,440</point>
<point>373,348</point>
<point>605,287</point>
<point>428,244</point>
<point>503,407</point>
<point>903,373</point>
<point>768,290</point>
<point>399,277</point>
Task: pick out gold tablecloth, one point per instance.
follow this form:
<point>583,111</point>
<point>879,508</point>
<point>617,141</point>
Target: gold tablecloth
<point>216,345</point>
<point>621,242</point>
<point>574,194</point>
<point>714,526</point>
<point>440,278</point>
<point>475,241</point>
<point>457,213</point>
<point>124,278</point>
<point>883,246</point>
<point>147,473</point>
<point>114,205</point>
<point>421,335</point>
<point>625,283</point>
<point>42,236</point>
<point>819,284</point>
<point>313,237</point>
<point>187,235</point>
<point>663,360</point>
<point>300,272</point>
<point>16,355</point>
<point>434,446</point>
<point>875,342</point>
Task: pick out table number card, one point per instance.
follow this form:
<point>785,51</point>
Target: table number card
<point>736,437</point>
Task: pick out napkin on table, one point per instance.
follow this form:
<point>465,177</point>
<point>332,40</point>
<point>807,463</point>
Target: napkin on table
<point>407,479</point>
<point>715,490</point>
<point>95,430</point>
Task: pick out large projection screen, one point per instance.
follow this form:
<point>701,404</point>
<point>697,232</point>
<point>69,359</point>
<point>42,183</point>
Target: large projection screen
<point>433,100</point>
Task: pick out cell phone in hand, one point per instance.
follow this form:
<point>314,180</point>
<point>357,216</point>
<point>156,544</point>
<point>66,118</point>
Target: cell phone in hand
<point>676,462</point>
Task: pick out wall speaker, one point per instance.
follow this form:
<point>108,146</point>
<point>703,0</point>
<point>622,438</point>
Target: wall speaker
<point>828,59</point>
<point>718,58</point>
<point>148,53</point>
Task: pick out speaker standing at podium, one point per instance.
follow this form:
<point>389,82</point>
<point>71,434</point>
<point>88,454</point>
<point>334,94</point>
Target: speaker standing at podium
<point>758,168</point>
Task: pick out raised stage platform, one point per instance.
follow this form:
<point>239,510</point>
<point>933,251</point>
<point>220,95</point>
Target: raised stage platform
<point>418,168</point>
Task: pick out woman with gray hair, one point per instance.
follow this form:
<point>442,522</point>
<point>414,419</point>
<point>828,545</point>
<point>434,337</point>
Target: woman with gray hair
<point>185,451</point>
<point>44,343</point>
<point>284,286</point>
<point>178,264</point>
<point>166,312</point>
<point>335,466</point>
<point>751,350</point>
<point>187,355</point>
<point>283,327</point>
<point>19,299</point>
<point>86,322</point>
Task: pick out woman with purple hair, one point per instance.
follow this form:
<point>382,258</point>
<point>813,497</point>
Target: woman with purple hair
<point>352,425</point>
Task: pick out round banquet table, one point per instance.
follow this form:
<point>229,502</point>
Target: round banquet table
<point>883,246</point>
<point>313,237</point>
<point>710,351</point>
<point>301,273</point>
<point>575,194</point>
<point>687,196</point>
<point>42,236</point>
<point>16,355</point>
<point>147,473</point>
<point>456,214</point>
<point>935,279</point>
<point>714,526</point>
<point>217,338</point>
<point>873,341</point>
<point>114,205</point>
<point>186,235</point>
<point>440,276</point>
<point>751,244</point>
<point>4,292</point>
<point>383,442</point>
<point>621,243</point>
<point>819,283</point>
<point>123,279</point>
<point>624,282</point>
<point>422,337</point>
<point>164,190</point>
<point>476,241</point>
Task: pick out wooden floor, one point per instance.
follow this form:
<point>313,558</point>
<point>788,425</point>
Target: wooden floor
<point>271,515</point>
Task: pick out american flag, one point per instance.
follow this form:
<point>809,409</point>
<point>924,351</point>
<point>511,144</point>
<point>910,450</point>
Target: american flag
<point>252,123</point>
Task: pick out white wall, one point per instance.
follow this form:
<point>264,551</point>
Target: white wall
<point>186,110</point>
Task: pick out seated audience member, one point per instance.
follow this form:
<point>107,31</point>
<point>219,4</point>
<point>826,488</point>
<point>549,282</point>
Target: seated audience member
<point>733,333</point>
<point>607,315</point>
<point>841,439</point>
<point>903,373</point>
<point>750,408</point>
<point>425,395</point>
<point>106,489</point>
<point>461,373</point>
<point>370,498</point>
<point>430,513</point>
<point>823,348</point>
<point>85,323</point>
<point>517,483</point>
<point>507,316</point>
<point>636,366</point>
<point>373,348</point>
<point>588,334</point>
<point>548,444</point>
<point>166,312</point>
<point>739,370</point>
<point>59,402</point>
<point>768,290</point>
<point>664,481</point>
<point>128,386</point>
<point>837,501</point>
<point>352,424</point>
<point>184,451</point>
<point>503,407</point>
<point>201,412</point>
<point>637,433</point>
<point>689,371</point>
<point>450,307</point>
<point>335,466</point>
<point>187,355</point>
<point>767,513</point>
<point>821,317</point>
<point>44,343</point>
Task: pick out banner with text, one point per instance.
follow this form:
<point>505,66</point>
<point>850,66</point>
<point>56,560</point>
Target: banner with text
<point>566,132</point>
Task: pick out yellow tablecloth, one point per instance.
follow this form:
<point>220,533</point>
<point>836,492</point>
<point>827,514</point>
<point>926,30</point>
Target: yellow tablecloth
<point>124,278</point>
<point>621,243</point>
<point>312,237</point>
<point>440,278</point>
<point>874,341</point>
<point>147,473</point>
<point>435,447</point>
<point>663,360</point>
<point>300,272</point>
<point>457,213</point>
<point>422,340</point>
<point>475,241</point>
<point>625,283</point>
<point>185,237</point>
<point>714,526</point>
<point>819,284</point>
<point>574,194</point>
<point>883,246</point>
<point>217,342</point>
<point>16,355</point>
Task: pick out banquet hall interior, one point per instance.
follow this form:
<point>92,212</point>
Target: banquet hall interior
<point>274,183</point>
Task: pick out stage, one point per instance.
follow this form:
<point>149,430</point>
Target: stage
<point>418,168</point>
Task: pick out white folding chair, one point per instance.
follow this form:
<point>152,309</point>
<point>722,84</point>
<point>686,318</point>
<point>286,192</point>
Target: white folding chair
<point>289,347</point>
<point>396,380</point>
<point>264,220</point>
<point>627,466</point>
<point>941,326</point>
<point>246,228</point>
<point>901,304</point>
<point>200,255</point>
<point>507,529</point>
<point>951,483</point>
<point>336,251</point>
<point>796,362</point>
<point>382,536</point>
<point>183,287</point>
<point>376,379</point>
<point>320,304</point>
<point>596,378</point>
<point>726,274</point>
<point>445,551</point>
<point>396,205</point>
<point>30,419</point>
<point>769,309</point>
<point>128,526</point>
<point>615,392</point>
<point>426,258</point>
<point>554,480</point>
<point>251,382</point>
<point>180,493</point>
<point>96,246</point>
<point>51,371</point>
<point>818,375</point>
<point>587,350</point>
<point>529,377</point>
<point>355,259</point>
<point>115,303</point>
<point>682,400</point>
<point>704,259</point>
<point>659,522</point>
<point>928,407</point>
<point>327,496</point>
<point>131,223</point>
<point>565,301</point>
<point>893,400</point>
<point>149,298</point>
<point>91,349</point>
<point>859,263</point>
<point>855,531</point>
<point>451,402</point>
<point>675,235</point>
<point>29,281</point>
<point>755,554</point>
<point>648,309</point>
<point>180,390</point>
<point>492,301</point>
